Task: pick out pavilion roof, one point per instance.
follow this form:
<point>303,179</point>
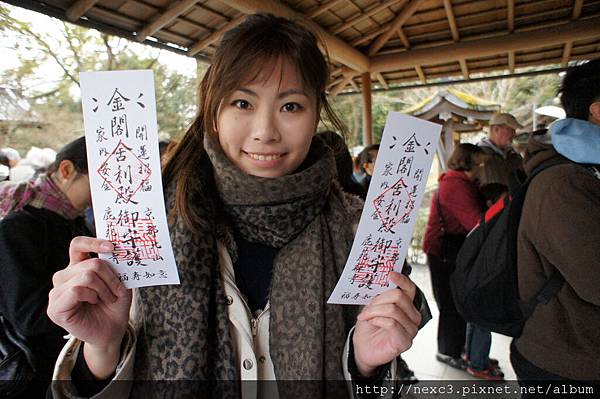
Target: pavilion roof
<point>397,42</point>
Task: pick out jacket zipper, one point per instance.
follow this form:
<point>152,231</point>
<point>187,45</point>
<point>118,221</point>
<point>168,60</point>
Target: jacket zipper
<point>254,327</point>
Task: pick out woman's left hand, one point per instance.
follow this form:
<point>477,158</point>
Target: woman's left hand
<point>386,327</point>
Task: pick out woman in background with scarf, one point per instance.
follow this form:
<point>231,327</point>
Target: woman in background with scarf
<point>39,220</point>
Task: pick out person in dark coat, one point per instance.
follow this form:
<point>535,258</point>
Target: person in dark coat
<point>39,220</point>
<point>559,233</point>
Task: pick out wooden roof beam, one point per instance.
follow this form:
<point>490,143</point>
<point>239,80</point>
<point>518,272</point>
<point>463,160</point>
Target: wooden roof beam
<point>322,8</point>
<point>78,9</point>
<point>215,36</point>
<point>340,86</point>
<point>335,82</point>
<point>403,38</point>
<point>577,30</point>
<point>366,37</point>
<point>451,20</point>
<point>406,12</point>
<point>569,44</point>
<point>577,9</point>
<point>337,48</point>
<point>172,13</point>
<point>464,69</point>
<point>510,22</point>
<point>367,13</point>
<point>510,15</point>
<point>337,71</point>
<point>382,81</point>
<point>455,35</point>
<point>354,85</point>
<point>567,53</point>
<point>421,73</point>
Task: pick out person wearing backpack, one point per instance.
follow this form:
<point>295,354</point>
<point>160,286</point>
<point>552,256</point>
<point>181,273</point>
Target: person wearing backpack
<point>455,210</point>
<point>560,231</point>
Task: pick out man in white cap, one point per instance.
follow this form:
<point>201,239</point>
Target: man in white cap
<point>504,162</point>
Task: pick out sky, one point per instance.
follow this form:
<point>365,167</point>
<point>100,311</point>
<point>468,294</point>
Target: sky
<point>49,26</point>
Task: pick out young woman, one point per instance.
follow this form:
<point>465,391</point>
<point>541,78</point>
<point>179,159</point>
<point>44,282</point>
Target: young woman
<point>38,221</point>
<point>261,231</point>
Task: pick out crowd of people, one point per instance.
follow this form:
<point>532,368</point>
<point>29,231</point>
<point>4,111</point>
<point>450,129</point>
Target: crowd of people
<point>241,228</point>
<point>16,169</point>
<point>557,233</point>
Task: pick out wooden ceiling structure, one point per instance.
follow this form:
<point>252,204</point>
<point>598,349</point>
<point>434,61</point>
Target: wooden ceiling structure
<point>371,43</point>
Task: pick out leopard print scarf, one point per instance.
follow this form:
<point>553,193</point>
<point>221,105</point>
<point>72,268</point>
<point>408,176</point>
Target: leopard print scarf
<point>184,333</point>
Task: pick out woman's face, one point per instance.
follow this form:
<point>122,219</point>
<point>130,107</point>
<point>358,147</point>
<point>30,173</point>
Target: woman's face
<point>79,192</point>
<point>265,127</point>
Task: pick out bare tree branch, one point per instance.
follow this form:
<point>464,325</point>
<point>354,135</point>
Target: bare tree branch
<point>111,56</point>
<point>68,36</point>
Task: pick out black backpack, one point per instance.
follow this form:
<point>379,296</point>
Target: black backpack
<point>484,283</point>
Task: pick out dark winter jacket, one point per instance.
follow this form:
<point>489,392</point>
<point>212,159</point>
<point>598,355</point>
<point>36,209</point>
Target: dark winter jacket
<point>560,229</point>
<point>34,244</point>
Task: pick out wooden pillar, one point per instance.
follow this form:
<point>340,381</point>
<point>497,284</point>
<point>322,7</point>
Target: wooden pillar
<point>367,111</point>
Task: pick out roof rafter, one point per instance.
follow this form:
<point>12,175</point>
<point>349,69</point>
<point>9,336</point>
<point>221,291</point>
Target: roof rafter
<point>510,22</point>
<point>361,16</point>
<point>510,15</point>
<point>169,15</point>
<point>340,86</point>
<point>338,49</point>
<point>421,73</point>
<point>578,30</point>
<point>577,7</point>
<point>403,38</point>
<point>79,8</point>
<point>455,35</point>
<point>323,7</point>
<point>213,37</point>
<point>464,68</point>
<point>381,80</point>
<point>407,11</point>
<point>451,20</point>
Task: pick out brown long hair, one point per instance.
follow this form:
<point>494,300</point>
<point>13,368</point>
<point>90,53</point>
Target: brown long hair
<point>253,46</point>
<point>465,157</point>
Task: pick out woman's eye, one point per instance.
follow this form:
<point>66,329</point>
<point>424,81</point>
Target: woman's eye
<point>241,104</point>
<point>291,107</point>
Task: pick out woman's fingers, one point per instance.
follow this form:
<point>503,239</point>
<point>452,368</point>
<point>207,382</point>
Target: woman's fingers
<point>63,303</point>
<point>92,280</point>
<point>80,248</point>
<point>404,283</point>
<point>402,338</point>
<point>77,294</point>
<point>396,297</point>
<point>392,312</point>
<point>88,280</point>
<point>88,271</point>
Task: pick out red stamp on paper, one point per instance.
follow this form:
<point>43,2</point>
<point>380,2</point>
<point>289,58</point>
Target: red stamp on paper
<point>124,173</point>
<point>374,265</point>
<point>393,205</point>
<point>135,239</point>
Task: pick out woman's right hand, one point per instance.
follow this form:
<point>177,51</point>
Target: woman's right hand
<point>89,301</point>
